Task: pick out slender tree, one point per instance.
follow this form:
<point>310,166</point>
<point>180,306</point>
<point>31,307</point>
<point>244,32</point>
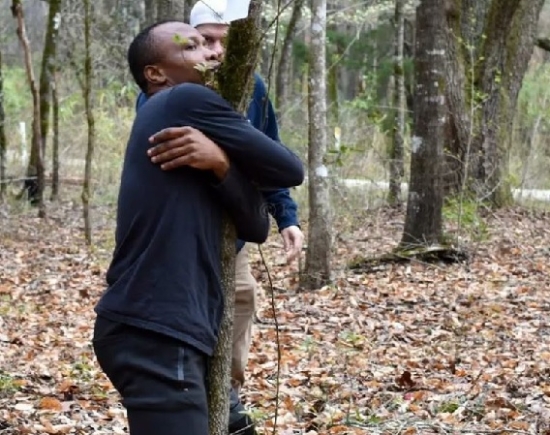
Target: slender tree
<point>48,68</point>
<point>285,60</point>
<point>235,83</point>
<point>87,93</point>
<point>3,140</point>
<point>317,270</point>
<point>399,100</point>
<point>35,190</point>
<point>55,138</point>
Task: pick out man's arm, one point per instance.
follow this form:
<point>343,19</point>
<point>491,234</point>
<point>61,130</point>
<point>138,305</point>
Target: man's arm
<point>241,199</point>
<point>245,205</point>
<point>258,157</point>
<point>262,115</point>
<point>282,207</point>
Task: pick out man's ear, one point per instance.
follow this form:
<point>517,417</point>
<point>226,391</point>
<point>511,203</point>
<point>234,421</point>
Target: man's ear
<point>154,75</point>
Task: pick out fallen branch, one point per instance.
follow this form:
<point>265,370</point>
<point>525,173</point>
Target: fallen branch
<point>47,181</point>
<point>425,254</point>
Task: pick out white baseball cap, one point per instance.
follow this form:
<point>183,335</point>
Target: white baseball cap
<point>208,12</point>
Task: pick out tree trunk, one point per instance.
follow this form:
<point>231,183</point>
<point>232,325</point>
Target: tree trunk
<point>423,223</point>
<point>55,140</point>
<point>489,44</point>
<point>283,70</point>
<point>34,190</point>
<point>87,92</point>
<point>48,68</point>
<point>397,170</point>
<point>3,140</point>
<point>170,9</point>
<point>235,83</point>
<point>333,99</point>
<point>188,5</point>
<point>317,270</point>
<point>150,14</point>
<point>506,52</point>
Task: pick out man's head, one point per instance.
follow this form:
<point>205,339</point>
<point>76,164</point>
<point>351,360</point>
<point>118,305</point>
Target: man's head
<point>166,54</point>
<point>207,17</point>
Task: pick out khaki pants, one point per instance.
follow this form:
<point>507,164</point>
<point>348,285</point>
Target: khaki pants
<point>245,306</point>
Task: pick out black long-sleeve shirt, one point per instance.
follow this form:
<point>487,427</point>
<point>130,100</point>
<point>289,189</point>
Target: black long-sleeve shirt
<point>165,272</point>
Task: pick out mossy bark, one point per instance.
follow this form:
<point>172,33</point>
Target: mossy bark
<point>48,67</point>
<point>90,121</point>
<point>488,45</point>
<point>36,196</point>
<point>46,73</point>
<point>285,60</point>
<point>396,154</point>
<point>234,82</point>
<point>3,140</point>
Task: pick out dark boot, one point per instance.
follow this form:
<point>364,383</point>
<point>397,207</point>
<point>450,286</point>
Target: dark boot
<point>240,423</point>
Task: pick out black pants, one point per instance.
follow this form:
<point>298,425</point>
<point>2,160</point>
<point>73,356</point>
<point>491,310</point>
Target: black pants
<point>163,382</point>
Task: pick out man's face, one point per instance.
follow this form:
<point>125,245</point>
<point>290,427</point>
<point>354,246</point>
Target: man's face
<point>182,48</point>
<point>214,37</point>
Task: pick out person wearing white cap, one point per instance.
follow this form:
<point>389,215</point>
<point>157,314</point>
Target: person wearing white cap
<point>207,16</point>
<point>208,12</point>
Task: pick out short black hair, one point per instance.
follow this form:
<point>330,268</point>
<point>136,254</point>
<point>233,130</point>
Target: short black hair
<point>143,51</point>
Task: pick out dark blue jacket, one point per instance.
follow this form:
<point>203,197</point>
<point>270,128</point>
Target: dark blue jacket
<point>262,116</point>
<point>165,274</point>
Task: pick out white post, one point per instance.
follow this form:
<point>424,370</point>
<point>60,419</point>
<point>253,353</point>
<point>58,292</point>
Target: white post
<point>24,149</point>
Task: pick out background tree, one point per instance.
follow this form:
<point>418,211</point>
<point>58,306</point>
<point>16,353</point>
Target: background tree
<point>489,45</point>
<point>46,90</point>
<point>36,164</point>
<point>3,140</point>
<point>88,107</point>
<point>397,151</point>
<point>423,223</point>
<point>48,67</point>
<point>317,270</point>
<point>55,137</point>
<point>285,59</point>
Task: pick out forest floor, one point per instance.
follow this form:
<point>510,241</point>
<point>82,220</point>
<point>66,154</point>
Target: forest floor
<point>401,349</point>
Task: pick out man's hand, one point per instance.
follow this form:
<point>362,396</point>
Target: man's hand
<point>185,146</point>
<point>293,239</point>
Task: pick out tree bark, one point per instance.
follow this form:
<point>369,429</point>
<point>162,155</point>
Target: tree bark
<point>285,60</point>
<point>488,44</point>
<point>87,93</point>
<point>36,168</point>
<point>55,140</point>
<point>150,14</point>
<point>397,170</point>
<point>188,5</point>
<point>3,140</point>
<point>170,9</point>
<point>48,68</point>
<point>511,30</point>
<point>317,271</point>
<point>423,223</point>
<point>235,83</point>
